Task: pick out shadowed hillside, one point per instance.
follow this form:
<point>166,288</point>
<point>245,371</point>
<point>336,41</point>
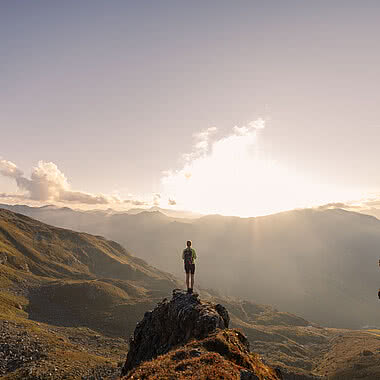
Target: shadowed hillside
<point>75,278</point>
<point>321,264</point>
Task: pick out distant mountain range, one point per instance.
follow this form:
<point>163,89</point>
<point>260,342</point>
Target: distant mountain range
<point>320,264</point>
<point>24,209</point>
<point>167,212</point>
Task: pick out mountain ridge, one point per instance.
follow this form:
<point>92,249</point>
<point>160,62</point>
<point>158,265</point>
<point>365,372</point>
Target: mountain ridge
<point>310,259</point>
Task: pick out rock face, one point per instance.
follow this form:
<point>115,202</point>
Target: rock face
<point>173,323</point>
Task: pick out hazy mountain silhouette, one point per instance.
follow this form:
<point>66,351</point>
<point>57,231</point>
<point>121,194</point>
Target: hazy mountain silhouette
<point>320,264</point>
<point>167,212</point>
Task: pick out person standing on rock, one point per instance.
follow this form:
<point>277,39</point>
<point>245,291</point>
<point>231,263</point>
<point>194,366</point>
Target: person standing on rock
<point>189,255</point>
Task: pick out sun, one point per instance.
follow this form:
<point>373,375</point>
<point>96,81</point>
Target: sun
<point>231,178</point>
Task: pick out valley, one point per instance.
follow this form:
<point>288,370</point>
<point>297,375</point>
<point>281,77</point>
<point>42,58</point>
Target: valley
<point>319,264</point>
<point>69,302</point>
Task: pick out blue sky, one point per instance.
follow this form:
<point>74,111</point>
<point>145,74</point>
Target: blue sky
<point>116,94</point>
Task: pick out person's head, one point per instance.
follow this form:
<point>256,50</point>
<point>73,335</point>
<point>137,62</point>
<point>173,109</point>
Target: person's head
<point>188,243</point>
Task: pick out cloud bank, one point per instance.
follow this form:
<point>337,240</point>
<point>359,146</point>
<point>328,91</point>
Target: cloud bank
<point>232,176</point>
<point>48,184</point>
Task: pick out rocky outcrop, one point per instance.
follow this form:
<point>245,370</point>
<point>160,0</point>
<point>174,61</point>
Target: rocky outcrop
<point>189,338</point>
<point>173,323</point>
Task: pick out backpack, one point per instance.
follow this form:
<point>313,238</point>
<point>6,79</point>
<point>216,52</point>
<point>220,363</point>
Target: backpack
<point>188,256</point>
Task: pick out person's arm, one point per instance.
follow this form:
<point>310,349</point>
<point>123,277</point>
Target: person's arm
<point>183,255</point>
<point>194,255</point>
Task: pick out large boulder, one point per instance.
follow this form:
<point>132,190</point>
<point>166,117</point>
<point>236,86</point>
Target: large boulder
<point>174,323</point>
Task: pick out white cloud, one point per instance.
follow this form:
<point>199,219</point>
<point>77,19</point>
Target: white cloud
<point>370,205</point>
<point>372,201</point>
<point>135,202</point>
<point>333,205</point>
<point>230,175</point>
<point>257,124</point>
<point>11,196</point>
<point>86,198</point>
<point>48,184</point>
<point>9,169</point>
<point>156,199</point>
<point>201,145</point>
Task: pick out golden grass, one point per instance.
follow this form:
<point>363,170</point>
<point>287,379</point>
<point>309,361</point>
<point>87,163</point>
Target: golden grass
<point>12,305</point>
<point>219,356</point>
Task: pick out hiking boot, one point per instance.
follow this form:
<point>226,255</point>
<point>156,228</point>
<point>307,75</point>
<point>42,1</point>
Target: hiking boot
<point>191,291</point>
<point>188,290</point>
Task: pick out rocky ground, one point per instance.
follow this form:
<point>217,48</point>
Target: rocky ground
<point>18,348</point>
<point>47,352</point>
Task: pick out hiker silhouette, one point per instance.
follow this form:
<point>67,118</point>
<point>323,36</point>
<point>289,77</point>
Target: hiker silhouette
<point>189,255</point>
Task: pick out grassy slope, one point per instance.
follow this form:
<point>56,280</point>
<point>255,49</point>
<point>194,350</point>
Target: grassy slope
<point>219,356</point>
<point>73,294</point>
<point>283,339</point>
<point>73,278</point>
<point>352,355</point>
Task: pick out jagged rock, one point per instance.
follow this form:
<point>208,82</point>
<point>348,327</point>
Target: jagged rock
<point>222,311</point>
<point>174,323</point>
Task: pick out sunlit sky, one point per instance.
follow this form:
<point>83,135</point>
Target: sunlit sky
<point>240,108</point>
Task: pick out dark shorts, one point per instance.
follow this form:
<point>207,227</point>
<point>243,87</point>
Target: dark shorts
<point>190,268</point>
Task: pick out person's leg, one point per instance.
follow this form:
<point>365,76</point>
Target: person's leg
<point>187,280</point>
<point>192,277</point>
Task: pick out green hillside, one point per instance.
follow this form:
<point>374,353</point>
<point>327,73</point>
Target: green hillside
<point>74,296</point>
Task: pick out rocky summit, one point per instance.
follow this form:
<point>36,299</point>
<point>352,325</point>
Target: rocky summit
<point>186,336</point>
<point>174,323</point>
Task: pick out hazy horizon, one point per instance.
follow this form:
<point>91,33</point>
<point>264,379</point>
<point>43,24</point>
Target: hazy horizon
<point>237,108</point>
